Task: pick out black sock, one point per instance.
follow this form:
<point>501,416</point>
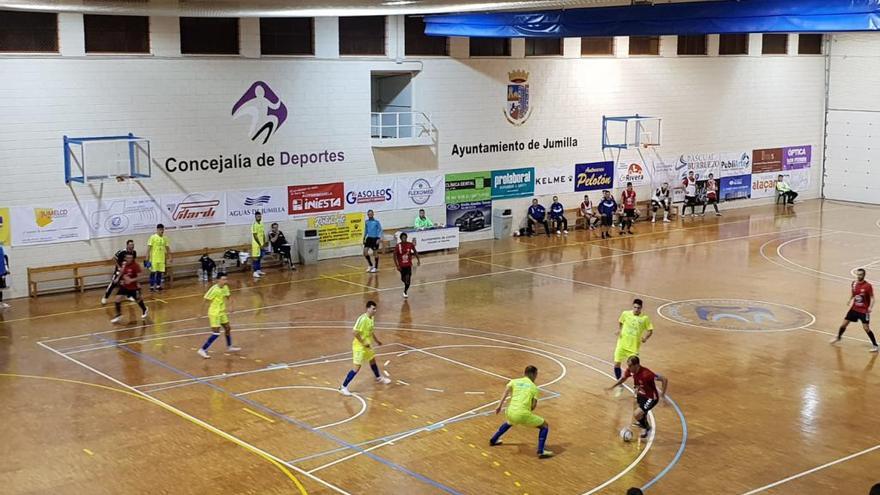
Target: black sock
<point>873,339</point>
<point>143,306</point>
<point>118,308</point>
<point>840,332</point>
<point>376,264</point>
<point>644,422</point>
<point>369,261</point>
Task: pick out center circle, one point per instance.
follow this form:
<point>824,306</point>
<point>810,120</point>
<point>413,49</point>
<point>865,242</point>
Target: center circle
<point>736,315</point>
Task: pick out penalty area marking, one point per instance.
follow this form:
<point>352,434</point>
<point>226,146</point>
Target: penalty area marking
<point>335,391</point>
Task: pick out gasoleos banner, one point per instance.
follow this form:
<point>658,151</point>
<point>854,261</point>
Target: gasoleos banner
<point>370,194</point>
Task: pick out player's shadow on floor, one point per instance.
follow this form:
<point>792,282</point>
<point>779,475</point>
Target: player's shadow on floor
<point>527,448</point>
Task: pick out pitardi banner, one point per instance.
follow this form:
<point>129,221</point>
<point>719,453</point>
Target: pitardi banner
<point>184,211</point>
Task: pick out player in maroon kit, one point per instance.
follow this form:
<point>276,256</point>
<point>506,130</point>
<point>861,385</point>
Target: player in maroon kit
<point>647,395</point>
<point>711,195</point>
<point>861,303</point>
<point>129,287</point>
<point>403,255</point>
<point>628,202</point>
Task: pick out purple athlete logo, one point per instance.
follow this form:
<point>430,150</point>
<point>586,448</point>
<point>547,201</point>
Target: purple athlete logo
<point>265,109</point>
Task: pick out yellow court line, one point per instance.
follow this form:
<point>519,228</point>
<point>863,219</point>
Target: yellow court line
<point>255,413</point>
<point>87,451</point>
<point>221,433</point>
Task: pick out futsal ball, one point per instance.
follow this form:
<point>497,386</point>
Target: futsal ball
<point>626,435</point>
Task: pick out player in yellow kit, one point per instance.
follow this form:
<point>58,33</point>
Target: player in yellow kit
<point>362,348</point>
<point>523,399</point>
<point>258,244</point>
<point>635,329</point>
<point>218,315</point>
<point>157,254</point>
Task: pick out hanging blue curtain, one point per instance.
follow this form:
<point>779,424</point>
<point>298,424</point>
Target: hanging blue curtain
<point>731,16</point>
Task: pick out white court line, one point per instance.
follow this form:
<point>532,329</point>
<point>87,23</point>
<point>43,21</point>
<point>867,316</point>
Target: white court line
<point>811,471</point>
<point>816,330</point>
<point>198,421</point>
<point>340,280</point>
<point>335,391</point>
<point>820,234</point>
<point>787,267</point>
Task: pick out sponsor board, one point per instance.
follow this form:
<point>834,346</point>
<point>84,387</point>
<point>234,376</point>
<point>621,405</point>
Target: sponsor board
<point>433,239</point>
<point>797,157</point>
<point>376,194</point>
<point>123,216</point>
<point>737,187</point>
<point>513,183</point>
<point>468,187</point>
<point>702,164</point>
<point>61,222</point>
<point>315,198</point>
<point>338,229</point>
<point>183,211</point>
<point>733,164</point>
<point>764,184</point>
<point>420,191</point>
<point>798,180</point>
<point>554,180</point>
<point>470,216</point>
<point>766,160</point>
<point>5,227</point>
<point>631,171</point>
<point>593,176</point>
<point>241,205</point>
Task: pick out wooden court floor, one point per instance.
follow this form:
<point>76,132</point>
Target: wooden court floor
<point>744,306</point>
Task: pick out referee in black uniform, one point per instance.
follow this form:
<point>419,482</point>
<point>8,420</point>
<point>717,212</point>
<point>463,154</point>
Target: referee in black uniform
<point>119,258</point>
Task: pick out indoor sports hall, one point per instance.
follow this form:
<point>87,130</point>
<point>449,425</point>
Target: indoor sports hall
<point>439,247</point>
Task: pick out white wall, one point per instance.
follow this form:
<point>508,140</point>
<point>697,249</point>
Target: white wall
<point>852,162</point>
<point>183,105</point>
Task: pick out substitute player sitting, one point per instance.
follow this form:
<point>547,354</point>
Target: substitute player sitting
<point>129,288</point>
<point>218,316</point>
<point>362,348</point>
<point>523,399</point>
<point>861,302</point>
<point>647,395</point>
<point>403,255</point>
<point>635,329</point>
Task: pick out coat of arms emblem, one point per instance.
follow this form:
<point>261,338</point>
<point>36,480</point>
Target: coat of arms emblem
<point>517,109</point>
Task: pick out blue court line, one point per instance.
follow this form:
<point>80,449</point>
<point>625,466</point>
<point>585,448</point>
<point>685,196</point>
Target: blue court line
<point>684,436</point>
<point>287,419</point>
<point>431,427</point>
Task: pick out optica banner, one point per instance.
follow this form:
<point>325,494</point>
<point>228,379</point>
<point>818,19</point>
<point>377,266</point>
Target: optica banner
<point>123,216</point>
<point>513,183</point>
<point>5,227</point>
<point>371,194</point>
<point>420,191</point>
<point>241,205</point>
<point>553,180</point>
<point>593,176</point>
<point>184,211</point>
<point>315,198</point>
<point>797,157</point>
<point>468,187</point>
<point>338,229</point>
<point>62,222</point>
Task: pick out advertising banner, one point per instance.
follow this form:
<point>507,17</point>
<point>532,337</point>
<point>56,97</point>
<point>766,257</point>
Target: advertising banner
<point>796,157</point>
<point>593,176</point>
<point>5,227</point>
<point>469,216</point>
<point>513,183</point>
<point>433,239</point>
<point>554,180</point>
<point>183,211</point>
<point>468,187</point>
<point>735,164</point>
<point>631,171</point>
<point>62,222</point>
<point>241,205</point>
<point>338,229</point>
<point>370,194</point>
<point>123,216</point>
<point>798,180</point>
<point>764,184</point>
<point>702,164</point>
<point>766,160</point>
<point>737,187</point>
<point>310,199</point>
<point>420,191</point>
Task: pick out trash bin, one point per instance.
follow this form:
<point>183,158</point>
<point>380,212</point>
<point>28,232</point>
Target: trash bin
<point>502,223</point>
<point>307,246</point>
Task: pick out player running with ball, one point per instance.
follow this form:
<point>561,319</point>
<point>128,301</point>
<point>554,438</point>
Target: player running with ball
<point>647,395</point>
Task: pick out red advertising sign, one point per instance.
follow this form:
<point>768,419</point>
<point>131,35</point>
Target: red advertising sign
<point>767,160</point>
<point>315,198</point>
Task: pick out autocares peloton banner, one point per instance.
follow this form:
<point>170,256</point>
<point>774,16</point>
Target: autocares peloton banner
<point>46,224</point>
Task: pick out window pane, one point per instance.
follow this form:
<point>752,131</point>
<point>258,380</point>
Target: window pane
<point>810,44</point>
<point>418,43</point>
<point>362,35</point>
<point>733,44</point>
<point>117,33</point>
<point>597,45</point>
<point>644,45</point>
<point>28,32</point>
<point>775,44</point>
<point>543,46</point>
<point>287,36</point>
<point>490,47</point>
<point>692,44</point>
<point>209,35</point>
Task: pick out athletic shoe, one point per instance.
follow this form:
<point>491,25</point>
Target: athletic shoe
<point>558,233</point>
<point>382,379</point>
<point>374,270</point>
<point>233,348</point>
<point>257,275</point>
<point>665,220</point>
<point>103,301</point>
<point>835,340</point>
<point>646,432</point>
<point>204,354</point>
<point>144,316</point>
<point>132,299</point>
<point>116,319</point>
<point>565,232</point>
<point>4,305</point>
<point>653,220</point>
<point>261,272</point>
<point>717,214</point>
<point>545,454</point>
<point>344,391</point>
<point>874,349</point>
<point>405,295</point>
<point>369,269</point>
<point>499,442</point>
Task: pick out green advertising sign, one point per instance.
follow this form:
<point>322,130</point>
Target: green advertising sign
<point>468,187</point>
